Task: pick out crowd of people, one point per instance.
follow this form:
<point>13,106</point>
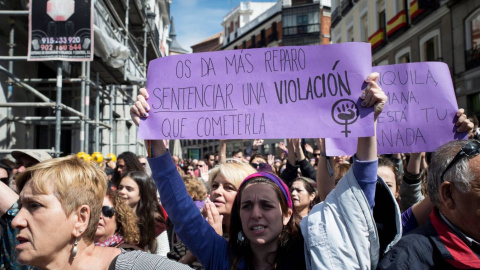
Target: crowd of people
<point>300,209</point>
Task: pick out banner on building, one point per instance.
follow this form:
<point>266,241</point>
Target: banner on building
<point>60,30</point>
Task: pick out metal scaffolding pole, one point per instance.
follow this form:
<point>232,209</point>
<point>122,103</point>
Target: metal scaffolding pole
<point>82,110</point>
<point>127,11</point>
<point>28,104</point>
<point>11,44</point>
<point>58,110</point>
<point>97,120</point>
<point>111,120</point>
<point>87,109</point>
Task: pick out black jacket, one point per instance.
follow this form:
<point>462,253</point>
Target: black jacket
<point>423,248</point>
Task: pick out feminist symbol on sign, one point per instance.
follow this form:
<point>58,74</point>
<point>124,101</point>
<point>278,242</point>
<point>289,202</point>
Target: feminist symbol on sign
<point>345,112</point>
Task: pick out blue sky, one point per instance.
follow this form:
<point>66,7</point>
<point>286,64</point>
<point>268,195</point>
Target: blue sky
<point>196,20</point>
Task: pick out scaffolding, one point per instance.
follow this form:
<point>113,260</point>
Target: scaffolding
<point>133,24</point>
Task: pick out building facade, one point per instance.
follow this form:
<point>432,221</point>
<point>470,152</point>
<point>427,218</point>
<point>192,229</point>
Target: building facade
<point>416,31</point>
<point>466,53</point>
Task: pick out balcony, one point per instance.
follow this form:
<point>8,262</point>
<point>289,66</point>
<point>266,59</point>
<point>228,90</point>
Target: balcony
<point>335,17</point>
<point>397,23</point>
<point>472,58</point>
<point>377,39</point>
<point>346,6</point>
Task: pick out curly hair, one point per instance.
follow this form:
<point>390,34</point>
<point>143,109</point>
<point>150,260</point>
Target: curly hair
<point>126,219</point>
<point>196,189</point>
<point>131,163</point>
<point>286,238</point>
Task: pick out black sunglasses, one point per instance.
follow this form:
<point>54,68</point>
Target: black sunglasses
<point>108,211</point>
<point>4,180</point>
<point>258,165</point>
<point>470,149</point>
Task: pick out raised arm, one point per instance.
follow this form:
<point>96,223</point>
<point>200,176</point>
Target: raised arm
<point>365,161</point>
<point>193,229</point>
<point>7,198</point>
<point>325,180</point>
<point>222,150</point>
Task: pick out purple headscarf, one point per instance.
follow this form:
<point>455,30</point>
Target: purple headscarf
<point>275,180</point>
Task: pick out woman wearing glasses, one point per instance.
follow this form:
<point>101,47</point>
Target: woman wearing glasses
<point>118,224</point>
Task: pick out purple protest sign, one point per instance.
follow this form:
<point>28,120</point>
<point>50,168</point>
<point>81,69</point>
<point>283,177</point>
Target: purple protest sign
<point>285,92</point>
<point>420,112</point>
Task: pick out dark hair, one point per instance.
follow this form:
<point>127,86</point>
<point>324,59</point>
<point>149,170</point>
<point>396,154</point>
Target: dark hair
<point>286,238</point>
<point>310,186</point>
<point>257,156</point>
<point>386,162</point>
<point>131,163</point>
<point>236,151</point>
<point>9,172</point>
<point>207,155</point>
<point>148,210</point>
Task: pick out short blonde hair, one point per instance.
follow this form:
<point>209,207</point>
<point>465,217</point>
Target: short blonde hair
<point>233,172</point>
<point>75,182</point>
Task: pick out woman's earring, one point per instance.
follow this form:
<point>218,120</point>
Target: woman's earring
<point>74,251</point>
<point>240,237</point>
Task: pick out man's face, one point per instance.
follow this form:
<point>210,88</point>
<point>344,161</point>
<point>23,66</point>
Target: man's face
<point>200,164</point>
<point>466,212</point>
<point>238,155</point>
<point>21,164</point>
<point>316,154</point>
<point>210,161</point>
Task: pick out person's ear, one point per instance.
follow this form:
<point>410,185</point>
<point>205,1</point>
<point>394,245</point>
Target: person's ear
<point>446,195</point>
<point>81,218</point>
<point>287,216</point>
<point>312,196</point>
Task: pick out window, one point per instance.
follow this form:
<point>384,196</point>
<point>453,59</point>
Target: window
<point>364,28</point>
<point>350,37</point>
<point>472,28</point>
<point>381,19</point>
<point>430,46</point>
<point>403,56</point>
<point>302,19</point>
<point>473,103</point>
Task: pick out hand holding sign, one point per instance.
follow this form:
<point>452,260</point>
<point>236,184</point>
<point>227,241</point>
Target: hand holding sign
<point>140,108</point>
<point>420,113</point>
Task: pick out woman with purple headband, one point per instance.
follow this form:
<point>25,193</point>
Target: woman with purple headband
<point>264,233</point>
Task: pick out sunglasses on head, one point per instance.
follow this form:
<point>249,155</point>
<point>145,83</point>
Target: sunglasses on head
<point>108,211</point>
<point>258,165</point>
<point>470,149</point>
